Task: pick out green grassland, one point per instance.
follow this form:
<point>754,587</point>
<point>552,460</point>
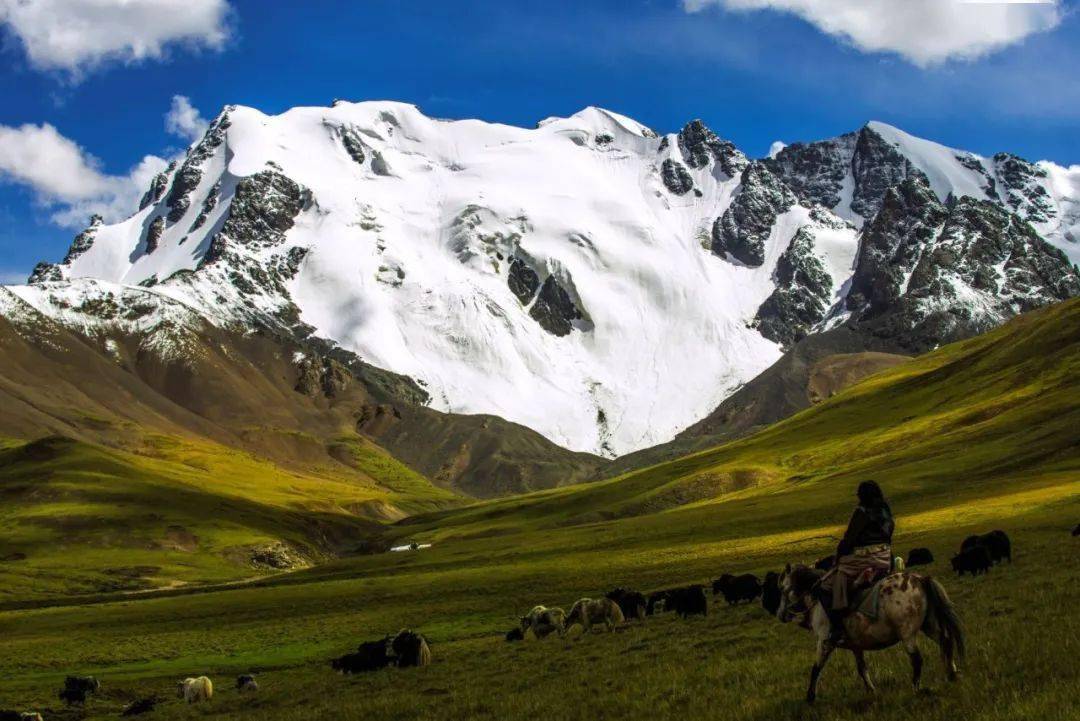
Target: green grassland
<point>978,435</point>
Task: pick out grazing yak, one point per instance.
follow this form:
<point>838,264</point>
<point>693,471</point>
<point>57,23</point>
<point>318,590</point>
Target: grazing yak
<point>1076,530</point>
<point>246,683</point>
<point>688,601</point>
<point>76,689</point>
<point>410,649</point>
<point>770,592</point>
<point>974,560</point>
<point>658,602</point>
<point>631,603</point>
<point>543,621</point>
<point>143,705</point>
<point>736,589</point>
<point>369,656</point>
<point>20,716</point>
<point>515,634</point>
<point>590,612</point>
<point>996,542</point>
<point>195,690</point>
<point>825,563</point>
<point>919,557</point>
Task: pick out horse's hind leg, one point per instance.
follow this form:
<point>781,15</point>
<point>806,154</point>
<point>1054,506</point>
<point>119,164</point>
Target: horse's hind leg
<point>825,649</point>
<point>915,655</point>
<point>864,672</point>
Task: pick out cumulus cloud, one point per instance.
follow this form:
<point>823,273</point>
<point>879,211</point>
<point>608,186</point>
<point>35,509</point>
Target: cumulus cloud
<point>68,180</point>
<point>78,35</point>
<point>925,32</point>
<point>776,147</point>
<point>183,120</point>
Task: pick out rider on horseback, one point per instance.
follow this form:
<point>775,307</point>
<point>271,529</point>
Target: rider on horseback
<point>864,553</point>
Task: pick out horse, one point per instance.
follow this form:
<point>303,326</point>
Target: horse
<point>908,603</point>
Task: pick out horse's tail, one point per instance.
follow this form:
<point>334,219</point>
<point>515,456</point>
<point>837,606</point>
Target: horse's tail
<point>942,622</point>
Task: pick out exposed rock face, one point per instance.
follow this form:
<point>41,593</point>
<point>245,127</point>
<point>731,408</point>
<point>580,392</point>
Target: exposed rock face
<point>157,187</point>
<point>815,171</point>
<point>554,309</point>
<point>153,234</point>
<point>322,376</point>
<point>208,206</point>
<point>699,145</point>
<point>802,294</point>
<point>523,281</point>
<point>1022,191</point>
<point>676,178</point>
<point>264,207</point>
<point>930,273</point>
<point>354,146</point>
<point>190,173</point>
<point>84,240</point>
<point>745,226</point>
<point>876,167</point>
<point>45,273</point>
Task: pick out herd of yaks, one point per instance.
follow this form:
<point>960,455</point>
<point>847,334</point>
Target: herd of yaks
<point>978,553</point>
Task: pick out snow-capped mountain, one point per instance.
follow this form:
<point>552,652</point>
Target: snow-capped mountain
<point>588,278</point>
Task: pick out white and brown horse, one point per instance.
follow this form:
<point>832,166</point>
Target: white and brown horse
<point>907,603</point>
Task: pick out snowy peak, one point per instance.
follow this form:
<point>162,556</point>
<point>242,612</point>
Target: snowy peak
<point>587,278</point>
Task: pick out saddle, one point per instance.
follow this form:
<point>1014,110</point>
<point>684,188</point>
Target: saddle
<point>865,598</point>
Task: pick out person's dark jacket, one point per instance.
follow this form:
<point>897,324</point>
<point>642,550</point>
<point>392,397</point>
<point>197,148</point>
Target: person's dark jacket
<point>867,527</point>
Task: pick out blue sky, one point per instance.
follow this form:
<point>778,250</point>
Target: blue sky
<point>754,76</point>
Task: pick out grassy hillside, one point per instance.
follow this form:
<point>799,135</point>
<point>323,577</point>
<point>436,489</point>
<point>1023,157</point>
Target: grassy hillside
<point>975,436</point>
<point>81,518</point>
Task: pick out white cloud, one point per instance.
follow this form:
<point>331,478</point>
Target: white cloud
<point>66,179</point>
<point>923,31</point>
<point>78,35</point>
<point>776,147</point>
<point>183,120</point>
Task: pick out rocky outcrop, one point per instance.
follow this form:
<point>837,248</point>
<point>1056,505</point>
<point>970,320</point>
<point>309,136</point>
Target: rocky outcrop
<point>84,240</point>
<point>353,145</point>
<point>153,234</point>
<point>876,167</point>
<point>815,171</point>
<point>523,281</point>
<point>676,177</point>
<point>45,273</point>
<point>209,203</point>
<point>157,187</point>
<point>189,175</point>
<point>1023,189</point>
<point>744,227</point>
<point>802,295</point>
<point>930,273</point>
<point>264,207</point>
<point>554,309</point>
<point>700,146</point>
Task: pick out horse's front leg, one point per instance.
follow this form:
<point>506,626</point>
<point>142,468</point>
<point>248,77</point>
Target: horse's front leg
<point>864,672</point>
<point>824,651</point>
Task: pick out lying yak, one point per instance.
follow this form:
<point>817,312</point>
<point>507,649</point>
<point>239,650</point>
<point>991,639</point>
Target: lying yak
<point>410,649</point>
<point>369,656</point>
<point>246,683</point>
<point>76,688</point>
<point>996,542</point>
<point>543,621</point>
<point>919,557</point>
<point>138,708</point>
<point>631,603</point>
<point>590,612</point>
<point>974,560</point>
<point>737,589</point>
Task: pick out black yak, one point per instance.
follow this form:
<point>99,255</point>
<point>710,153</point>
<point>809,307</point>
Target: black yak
<point>76,689</point>
<point>736,589</point>
<point>770,592</point>
<point>370,656</point>
<point>631,603</point>
<point>688,601</point>
<point>658,602</point>
<point>996,542</point>
<point>919,557</point>
<point>410,649</point>
<point>143,705</point>
<point>974,560</point>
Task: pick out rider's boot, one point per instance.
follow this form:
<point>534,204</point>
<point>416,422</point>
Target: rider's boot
<point>836,624</point>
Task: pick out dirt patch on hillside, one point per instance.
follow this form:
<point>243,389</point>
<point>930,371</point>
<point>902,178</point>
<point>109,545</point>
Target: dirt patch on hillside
<point>834,373</point>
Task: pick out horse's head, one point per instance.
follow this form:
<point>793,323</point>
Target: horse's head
<point>796,584</point>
